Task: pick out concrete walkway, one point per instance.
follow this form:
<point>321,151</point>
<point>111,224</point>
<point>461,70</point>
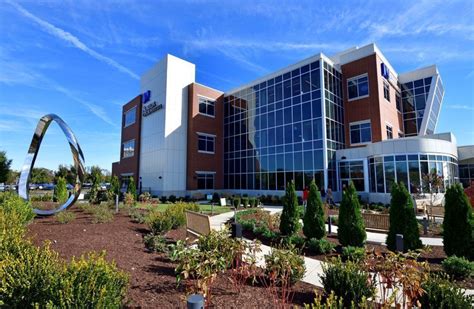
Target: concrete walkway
<point>314,268</point>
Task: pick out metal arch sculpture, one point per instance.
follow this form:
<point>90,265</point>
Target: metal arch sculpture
<point>77,155</point>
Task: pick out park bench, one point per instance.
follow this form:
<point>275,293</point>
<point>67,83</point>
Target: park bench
<point>196,225</point>
<point>377,222</point>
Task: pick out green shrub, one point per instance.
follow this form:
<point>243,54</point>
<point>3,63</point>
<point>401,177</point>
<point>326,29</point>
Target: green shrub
<point>289,224</point>
<point>320,246</point>
<point>458,224</point>
<point>260,229</point>
<point>295,240</point>
<point>30,276</point>
<point>440,293</point>
<point>351,228</point>
<point>172,198</point>
<point>12,202</point>
<point>102,214</point>
<point>284,266</point>
<point>163,199</point>
<point>158,222</point>
<point>216,197</point>
<point>92,282</point>
<point>245,202</point>
<point>65,217</point>
<point>137,215</point>
<point>248,225</point>
<point>132,188</point>
<point>355,254</point>
<point>313,220</point>
<point>236,202</point>
<point>348,281</point>
<point>403,220</point>
<point>155,243</point>
<point>176,213</point>
<point>458,267</point>
<point>60,191</point>
<point>145,197</point>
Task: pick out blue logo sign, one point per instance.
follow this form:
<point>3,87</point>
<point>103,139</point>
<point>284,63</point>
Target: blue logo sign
<point>146,96</point>
<point>385,70</point>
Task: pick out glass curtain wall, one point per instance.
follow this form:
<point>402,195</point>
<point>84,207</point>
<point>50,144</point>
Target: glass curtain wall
<point>273,132</point>
<point>410,169</point>
<point>414,97</point>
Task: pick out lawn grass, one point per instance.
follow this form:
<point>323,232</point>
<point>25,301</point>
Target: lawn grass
<point>205,209</point>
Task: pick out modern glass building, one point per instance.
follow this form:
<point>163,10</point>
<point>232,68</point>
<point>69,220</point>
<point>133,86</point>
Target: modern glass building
<point>347,117</point>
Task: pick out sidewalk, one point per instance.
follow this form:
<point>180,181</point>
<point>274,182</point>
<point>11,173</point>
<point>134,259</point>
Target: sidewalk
<point>314,268</point>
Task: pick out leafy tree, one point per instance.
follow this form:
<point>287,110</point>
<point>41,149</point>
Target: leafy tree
<point>403,220</point>
<point>66,172</point>
<point>13,176</point>
<point>60,191</point>
<point>433,184</point>
<point>313,220</point>
<point>132,188</point>
<point>42,175</point>
<point>5,164</point>
<point>114,185</point>
<point>289,217</point>
<point>458,224</point>
<point>351,228</point>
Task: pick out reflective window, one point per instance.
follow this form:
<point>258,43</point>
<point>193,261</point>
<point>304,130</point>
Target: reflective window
<point>360,133</point>
<point>358,87</point>
<point>128,149</point>
<point>130,116</point>
<point>352,171</point>
<point>206,143</point>
<point>205,181</point>
<point>389,130</point>
<point>206,106</point>
<point>386,91</point>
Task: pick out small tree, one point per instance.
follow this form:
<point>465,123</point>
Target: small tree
<point>313,220</point>
<point>132,188</point>
<point>5,164</point>
<point>402,220</point>
<point>114,188</point>
<point>289,216</point>
<point>458,224</point>
<point>351,229</point>
<point>60,191</point>
<point>433,184</point>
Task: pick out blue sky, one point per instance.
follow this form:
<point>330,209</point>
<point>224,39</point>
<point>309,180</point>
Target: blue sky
<point>82,59</point>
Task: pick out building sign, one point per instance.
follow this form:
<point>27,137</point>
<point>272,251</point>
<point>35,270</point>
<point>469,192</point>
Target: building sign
<point>146,96</point>
<point>385,71</point>
<point>150,108</point>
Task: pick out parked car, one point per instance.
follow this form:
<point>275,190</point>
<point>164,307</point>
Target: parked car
<point>46,186</point>
<point>33,186</point>
<point>69,186</point>
<point>2,187</point>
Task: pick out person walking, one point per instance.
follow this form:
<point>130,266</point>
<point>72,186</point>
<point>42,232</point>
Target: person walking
<point>305,198</point>
<point>329,198</point>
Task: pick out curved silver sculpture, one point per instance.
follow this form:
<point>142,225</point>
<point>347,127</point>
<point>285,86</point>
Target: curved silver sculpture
<point>78,157</point>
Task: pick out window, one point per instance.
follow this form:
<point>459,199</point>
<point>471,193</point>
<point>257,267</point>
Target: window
<point>389,131</point>
<point>361,133</point>
<point>129,148</point>
<point>398,100</point>
<point>206,143</point>
<point>358,87</point>
<point>386,91</point>
<point>130,117</point>
<point>206,106</point>
<point>205,180</point>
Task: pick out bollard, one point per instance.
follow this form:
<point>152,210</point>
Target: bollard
<point>195,301</point>
<point>399,242</point>
<point>425,226</point>
<point>236,230</point>
<point>329,225</point>
<point>116,203</point>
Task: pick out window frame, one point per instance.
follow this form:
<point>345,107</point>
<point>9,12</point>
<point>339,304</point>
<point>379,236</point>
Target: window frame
<point>208,137</point>
<point>206,175</point>
<point>386,91</point>
<point>356,78</point>
<point>207,102</point>
<point>387,127</point>
<point>367,121</point>
<point>123,149</point>
<point>125,125</point>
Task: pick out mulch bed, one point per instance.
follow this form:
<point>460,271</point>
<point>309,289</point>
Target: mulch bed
<point>152,277</point>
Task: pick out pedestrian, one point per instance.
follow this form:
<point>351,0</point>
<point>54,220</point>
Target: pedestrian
<point>329,198</point>
<point>305,198</point>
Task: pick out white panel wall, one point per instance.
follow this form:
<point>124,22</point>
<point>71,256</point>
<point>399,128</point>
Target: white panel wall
<point>163,133</point>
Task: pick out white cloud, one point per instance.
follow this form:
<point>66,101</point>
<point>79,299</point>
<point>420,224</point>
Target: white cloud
<point>460,106</point>
<point>70,38</point>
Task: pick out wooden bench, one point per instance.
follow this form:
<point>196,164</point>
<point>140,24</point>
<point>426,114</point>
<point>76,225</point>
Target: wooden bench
<point>378,222</point>
<point>196,225</point>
